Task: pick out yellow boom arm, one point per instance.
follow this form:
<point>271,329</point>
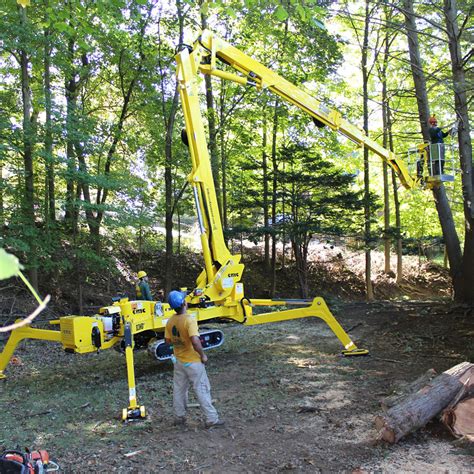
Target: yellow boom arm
<point>223,270</point>
<point>209,48</point>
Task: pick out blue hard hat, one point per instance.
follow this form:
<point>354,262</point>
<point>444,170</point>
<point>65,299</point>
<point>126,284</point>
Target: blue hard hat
<point>176,299</point>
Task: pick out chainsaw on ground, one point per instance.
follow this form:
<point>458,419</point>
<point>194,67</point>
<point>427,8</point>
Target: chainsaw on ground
<point>29,462</point>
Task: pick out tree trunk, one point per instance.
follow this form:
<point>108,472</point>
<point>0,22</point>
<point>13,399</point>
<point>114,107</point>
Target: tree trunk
<point>223,158</point>
<point>396,203</point>
<point>169,204</point>
<point>386,195</point>
<point>398,227</point>
<point>2,186</point>
<point>301,267</point>
<point>274,197</point>
<point>179,230</point>
<point>102,192</point>
<point>420,407</point>
<point>71,86</point>
<point>266,210</point>
<point>442,205</point>
<point>50,201</point>
<point>168,276</point>
<point>367,216</point>
<point>28,143</point>
<point>140,238</point>
<point>464,285</point>
<point>211,120</point>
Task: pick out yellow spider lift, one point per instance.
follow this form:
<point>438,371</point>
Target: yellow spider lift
<point>219,292</point>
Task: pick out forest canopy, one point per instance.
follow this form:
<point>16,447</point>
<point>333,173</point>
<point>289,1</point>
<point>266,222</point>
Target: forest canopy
<point>91,155</point>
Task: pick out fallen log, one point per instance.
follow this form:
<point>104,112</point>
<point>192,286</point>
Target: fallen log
<point>402,391</point>
<point>458,416</point>
<point>417,408</point>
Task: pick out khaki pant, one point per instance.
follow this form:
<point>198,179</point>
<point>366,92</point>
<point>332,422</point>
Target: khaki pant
<point>195,374</point>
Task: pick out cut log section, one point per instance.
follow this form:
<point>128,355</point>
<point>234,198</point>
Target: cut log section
<point>418,408</point>
<point>403,390</point>
<point>459,415</point>
<point>460,419</point>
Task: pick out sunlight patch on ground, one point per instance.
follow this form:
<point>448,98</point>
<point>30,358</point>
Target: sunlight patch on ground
<point>335,398</point>
<point>303,362</point>
<point>331,398</point>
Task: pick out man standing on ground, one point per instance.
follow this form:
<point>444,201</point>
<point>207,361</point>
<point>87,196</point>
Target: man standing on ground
<point>189,369</point>
<point>143,288</point>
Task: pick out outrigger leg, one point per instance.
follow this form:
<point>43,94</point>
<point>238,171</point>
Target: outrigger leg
<point>17,335</point>
<point>134,411</point>
<point>318,308</point>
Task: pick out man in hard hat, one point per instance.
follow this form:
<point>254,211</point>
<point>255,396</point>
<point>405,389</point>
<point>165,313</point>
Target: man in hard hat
<point>142,287</point>
<point>437,152</point>
<point>436,133</point>
<point>189,365</point>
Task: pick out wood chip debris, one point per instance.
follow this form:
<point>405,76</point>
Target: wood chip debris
<point>133,453</point>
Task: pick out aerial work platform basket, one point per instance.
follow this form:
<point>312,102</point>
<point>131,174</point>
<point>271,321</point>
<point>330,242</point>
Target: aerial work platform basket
<point>433,162</point>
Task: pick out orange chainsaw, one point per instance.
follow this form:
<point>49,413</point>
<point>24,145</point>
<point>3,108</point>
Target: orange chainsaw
<point>34,462</point>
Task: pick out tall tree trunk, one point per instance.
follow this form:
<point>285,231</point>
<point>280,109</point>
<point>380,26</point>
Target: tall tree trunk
<point>71,87</point>
<point>169,204</point>
<point>464,287</point>
<point>223,157</point>
<point>396,203</point>
<point>2,187</point>
<point>28,142</point>
<point>367,216</point>
<point>386,196</point>
<point>451,238</point>
<point>274,197</point>
<point>266,210</point>
<point>102,192</point>
<point>50,201</point>
<point>140,237</point>
<point>211,120</point>
<point>301,267</point>
<point>179,230</point>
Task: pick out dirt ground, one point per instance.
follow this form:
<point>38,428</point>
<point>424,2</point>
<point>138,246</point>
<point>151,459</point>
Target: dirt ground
<point>289,400</point>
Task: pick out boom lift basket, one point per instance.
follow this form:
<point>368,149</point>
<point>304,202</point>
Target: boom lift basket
<point>434,163</point>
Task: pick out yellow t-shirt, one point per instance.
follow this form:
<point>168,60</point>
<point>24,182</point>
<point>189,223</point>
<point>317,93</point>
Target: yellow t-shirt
<point>179,329</point>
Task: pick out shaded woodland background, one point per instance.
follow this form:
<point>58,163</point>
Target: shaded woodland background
<point>92,161</point>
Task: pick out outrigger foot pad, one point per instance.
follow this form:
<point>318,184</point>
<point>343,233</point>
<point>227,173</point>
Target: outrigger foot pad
<point>138,413</point>
<point>355,352</point>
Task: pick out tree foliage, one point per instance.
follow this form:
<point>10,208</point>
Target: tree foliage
<point>91,158</point>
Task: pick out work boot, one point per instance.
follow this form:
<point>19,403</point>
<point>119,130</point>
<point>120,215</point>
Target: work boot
<point>214,424</point>
<point>179,421</point>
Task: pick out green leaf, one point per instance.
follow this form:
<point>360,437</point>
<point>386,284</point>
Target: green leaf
<point>61,26</point>
<point>83,44</point>
<point>230,12</point>
<point>301,11</point>
<point>204,8</point>
<point>281,13</point>
<point>9,265</point>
